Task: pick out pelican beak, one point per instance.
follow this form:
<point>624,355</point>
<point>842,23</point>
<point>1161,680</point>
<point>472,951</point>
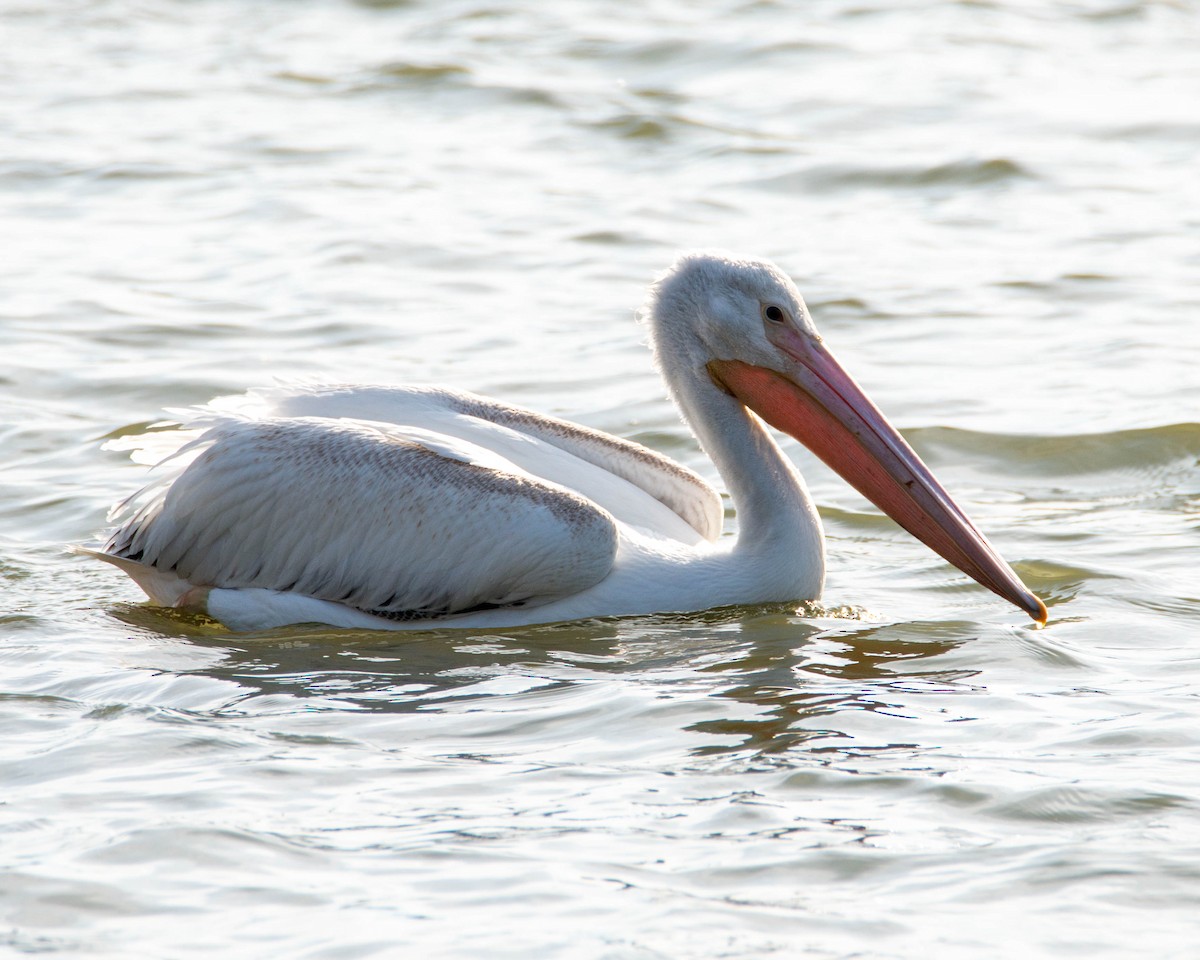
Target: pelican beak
<point>820,405</point>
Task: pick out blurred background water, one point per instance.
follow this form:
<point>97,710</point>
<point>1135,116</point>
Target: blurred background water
<point>993,209</point>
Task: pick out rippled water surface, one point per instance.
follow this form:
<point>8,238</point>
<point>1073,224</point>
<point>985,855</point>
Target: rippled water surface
<point>993,211</point>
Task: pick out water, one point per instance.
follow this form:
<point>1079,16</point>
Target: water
<point>992,209</point>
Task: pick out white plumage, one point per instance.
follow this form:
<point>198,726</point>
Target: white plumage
<point>404,507</point>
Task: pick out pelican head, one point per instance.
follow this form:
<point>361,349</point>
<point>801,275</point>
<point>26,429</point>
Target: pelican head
<point>712,305</point>
<point>741,327</point>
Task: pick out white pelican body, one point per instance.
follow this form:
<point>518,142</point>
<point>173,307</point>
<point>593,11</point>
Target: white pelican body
<point>409,507</point>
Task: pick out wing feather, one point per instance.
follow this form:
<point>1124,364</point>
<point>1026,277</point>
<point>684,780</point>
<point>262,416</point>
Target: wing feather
<point>386,519</point>
<point>672,485</point>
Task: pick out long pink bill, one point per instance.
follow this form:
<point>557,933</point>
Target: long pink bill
<point>828,412</point>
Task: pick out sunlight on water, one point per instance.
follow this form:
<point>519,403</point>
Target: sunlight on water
<point>990,207</point>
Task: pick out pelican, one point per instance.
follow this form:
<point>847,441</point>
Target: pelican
<point>412,507</point>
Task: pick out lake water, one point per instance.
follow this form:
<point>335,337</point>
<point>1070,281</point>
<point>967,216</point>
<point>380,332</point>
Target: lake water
<point>993,209</point>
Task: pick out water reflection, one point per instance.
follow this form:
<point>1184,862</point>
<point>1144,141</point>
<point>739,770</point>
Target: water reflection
<point>800,679</point>
<point>789,680</point>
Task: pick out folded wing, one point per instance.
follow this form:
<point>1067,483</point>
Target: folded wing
<point>637,485</point>
<point>396,521</point>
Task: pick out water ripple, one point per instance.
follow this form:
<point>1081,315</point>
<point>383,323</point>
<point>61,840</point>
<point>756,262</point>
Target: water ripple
<point>988,207</point>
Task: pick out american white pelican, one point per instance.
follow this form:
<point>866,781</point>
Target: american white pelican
<point>408,507</point>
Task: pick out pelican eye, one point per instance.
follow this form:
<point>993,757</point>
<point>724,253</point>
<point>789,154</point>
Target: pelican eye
<point>773,314</point>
